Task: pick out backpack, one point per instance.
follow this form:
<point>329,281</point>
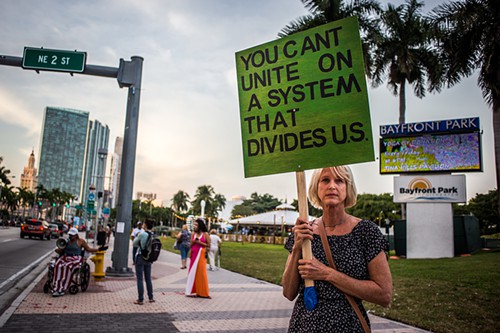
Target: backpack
<point>153,248</point>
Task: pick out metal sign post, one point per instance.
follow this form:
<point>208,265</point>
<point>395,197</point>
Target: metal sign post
<point>128,74</point>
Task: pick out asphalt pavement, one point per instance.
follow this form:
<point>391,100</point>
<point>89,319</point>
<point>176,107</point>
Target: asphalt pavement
<point>238,304</point>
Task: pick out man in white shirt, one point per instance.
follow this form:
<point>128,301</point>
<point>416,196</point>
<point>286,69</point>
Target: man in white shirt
<point>215,242</point>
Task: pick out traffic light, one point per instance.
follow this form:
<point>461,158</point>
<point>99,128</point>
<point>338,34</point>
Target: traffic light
<point>67,205</point>
<point>40,203</point>
<point>53,204</point>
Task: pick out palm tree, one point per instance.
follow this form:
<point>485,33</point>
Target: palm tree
<point>4,175</point>
<point>150,205</point>
<point>180,201</point>
<point>10,200</point>
<point>206,193</point>
<point>179,204</point>
<point>54,197</point>
<point>5,192</point>
<point>326,11</point>
<point>471,41</point>
<point>26,198</point>
<point>41,195</point>
<point>219,202</point>
<point>404,53</point>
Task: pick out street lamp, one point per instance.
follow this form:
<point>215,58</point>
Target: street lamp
<point>202,203</point>
<point>102,153</point>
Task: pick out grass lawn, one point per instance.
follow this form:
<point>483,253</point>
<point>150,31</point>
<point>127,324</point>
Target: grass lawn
<point>455,295</point>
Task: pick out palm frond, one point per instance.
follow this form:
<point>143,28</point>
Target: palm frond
<point>301,24</point>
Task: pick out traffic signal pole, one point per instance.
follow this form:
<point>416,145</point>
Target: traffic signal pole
<point>128,74</point>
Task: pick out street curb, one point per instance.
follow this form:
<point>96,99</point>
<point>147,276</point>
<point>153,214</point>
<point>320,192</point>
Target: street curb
<point>13,307</point>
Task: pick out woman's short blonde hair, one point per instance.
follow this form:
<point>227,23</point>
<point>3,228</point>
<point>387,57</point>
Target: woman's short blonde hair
<point>343,172</point>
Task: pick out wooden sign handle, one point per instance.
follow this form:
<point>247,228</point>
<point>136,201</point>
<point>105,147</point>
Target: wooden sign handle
<point>304,214</point>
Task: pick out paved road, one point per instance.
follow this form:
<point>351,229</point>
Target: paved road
<point>17,253</point>
<point>18,259</point>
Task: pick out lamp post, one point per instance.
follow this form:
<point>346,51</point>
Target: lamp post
<point>202,204</point>
<point>274,229</point>
<point>102,154</point>
<point>282,224</point>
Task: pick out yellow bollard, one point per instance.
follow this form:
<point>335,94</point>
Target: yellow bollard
<point>98,259</point>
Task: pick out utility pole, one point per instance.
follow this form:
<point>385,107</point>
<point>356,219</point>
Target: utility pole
<point>129,76</point>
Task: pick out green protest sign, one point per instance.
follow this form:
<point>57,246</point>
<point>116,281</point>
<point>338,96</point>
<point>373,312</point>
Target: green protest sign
<point>303,101</point>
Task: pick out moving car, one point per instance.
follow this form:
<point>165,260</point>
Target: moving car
<point>54,230</point>
<point>35,228</point>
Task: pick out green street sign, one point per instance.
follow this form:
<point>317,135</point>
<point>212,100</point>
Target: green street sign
<point>54,60</point>
<point>78,207</point>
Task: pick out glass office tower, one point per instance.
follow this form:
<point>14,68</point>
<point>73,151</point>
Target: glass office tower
<point>62,149</point>
<point>96,157</point>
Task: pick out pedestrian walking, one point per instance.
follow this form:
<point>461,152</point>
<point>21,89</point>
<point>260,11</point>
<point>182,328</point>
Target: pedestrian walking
<point>215,243</point>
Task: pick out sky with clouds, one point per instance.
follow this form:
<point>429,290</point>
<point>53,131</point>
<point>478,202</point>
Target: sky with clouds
<point>189,128</point>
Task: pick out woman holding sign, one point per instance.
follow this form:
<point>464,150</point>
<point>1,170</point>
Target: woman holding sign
<point>349,261</point>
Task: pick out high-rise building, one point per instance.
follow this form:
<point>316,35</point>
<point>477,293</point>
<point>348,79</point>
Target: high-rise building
<point>29,177</point>
<point>116,164</point>
<point>62,149</point>
<point>73,152</point>
<point>96,157</point>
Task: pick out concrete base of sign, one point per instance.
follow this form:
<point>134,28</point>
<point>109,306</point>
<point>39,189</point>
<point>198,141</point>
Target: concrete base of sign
<point>429,230</point>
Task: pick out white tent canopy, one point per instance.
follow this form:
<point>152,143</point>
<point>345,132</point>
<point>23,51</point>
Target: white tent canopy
<point>284,214</point>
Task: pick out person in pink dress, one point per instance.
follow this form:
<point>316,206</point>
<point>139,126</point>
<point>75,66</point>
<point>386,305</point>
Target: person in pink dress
<point>197,281</point>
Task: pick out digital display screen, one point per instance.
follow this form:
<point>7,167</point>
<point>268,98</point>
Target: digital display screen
<point>452,152</point>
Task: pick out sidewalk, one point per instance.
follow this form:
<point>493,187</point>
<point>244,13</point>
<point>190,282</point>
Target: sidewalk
<point>238,304</point>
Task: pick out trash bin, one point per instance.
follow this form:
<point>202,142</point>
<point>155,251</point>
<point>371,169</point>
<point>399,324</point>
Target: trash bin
<point>466,234</point>
<point>400,237</point>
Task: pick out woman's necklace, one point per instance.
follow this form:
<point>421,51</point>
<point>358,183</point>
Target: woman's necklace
<point>346,217</point>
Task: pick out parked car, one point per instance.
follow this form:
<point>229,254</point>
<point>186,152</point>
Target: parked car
<point>35,228</point>
<point>54,230</point>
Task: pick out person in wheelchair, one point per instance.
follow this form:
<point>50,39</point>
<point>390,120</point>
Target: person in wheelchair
<point>70,258</point>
